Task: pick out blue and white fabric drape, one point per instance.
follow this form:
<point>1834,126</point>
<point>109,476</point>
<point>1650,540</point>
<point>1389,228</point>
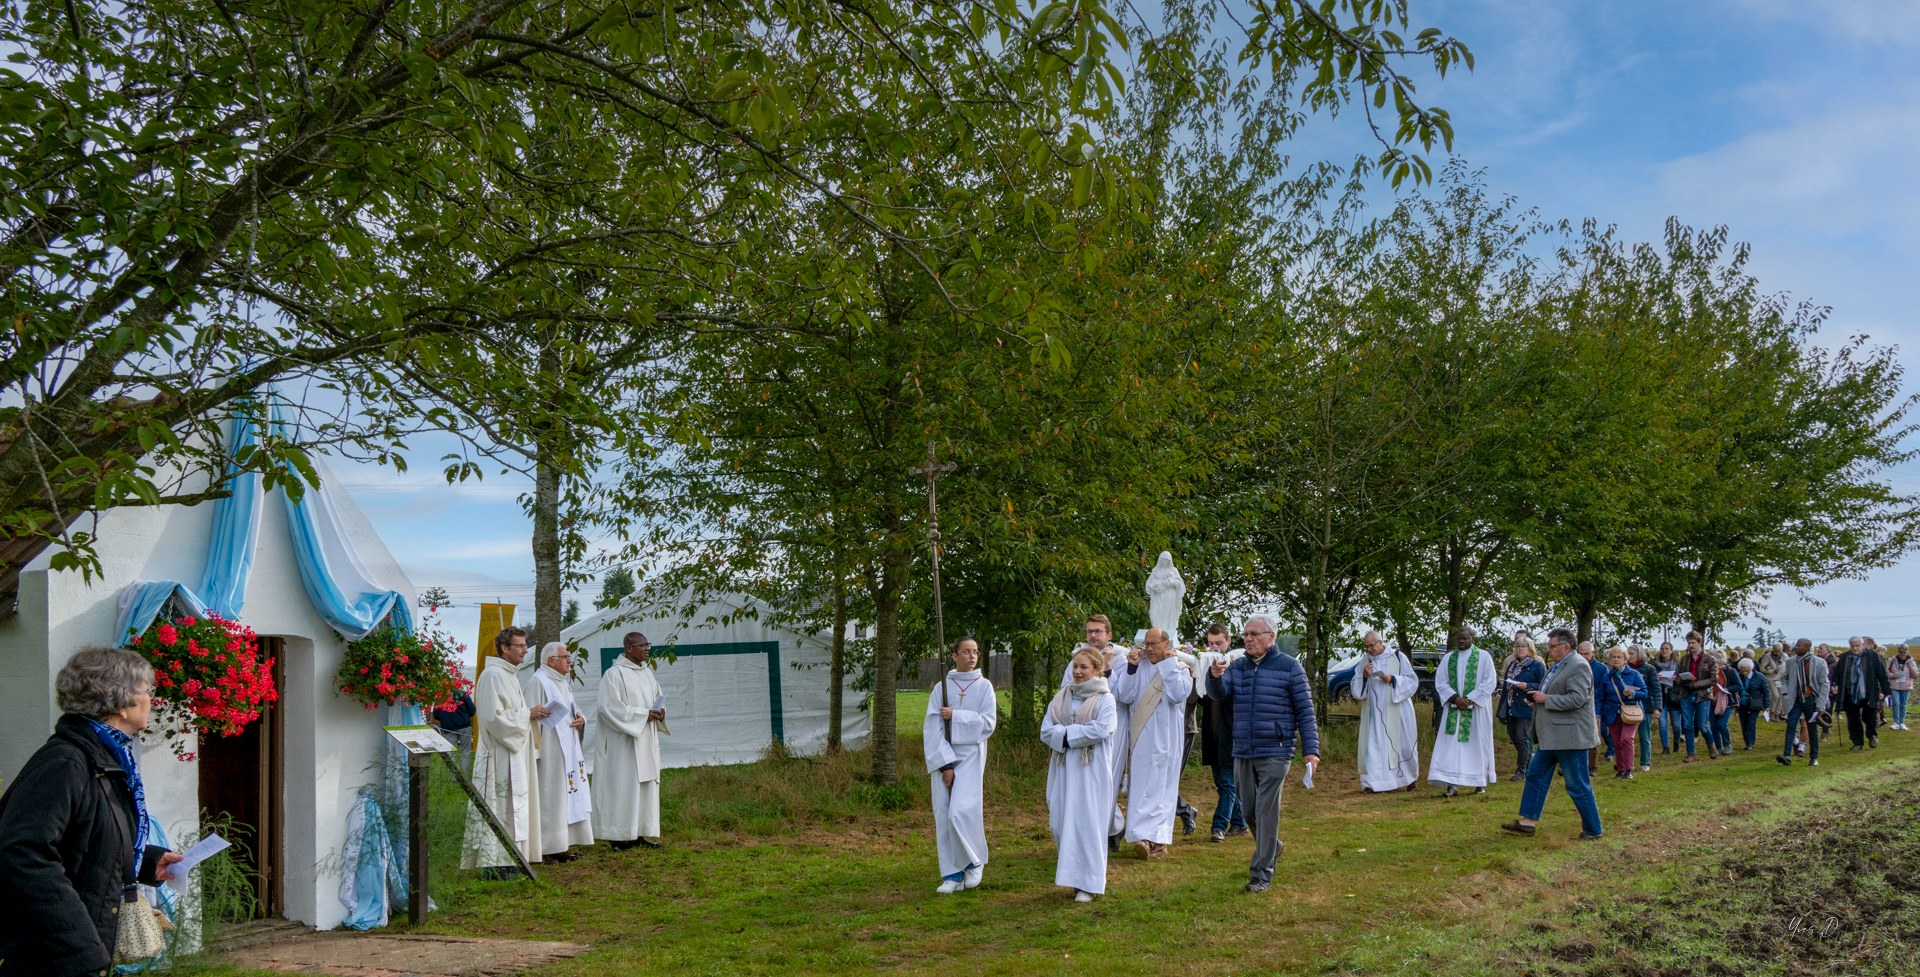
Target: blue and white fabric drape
<point>342,591</point>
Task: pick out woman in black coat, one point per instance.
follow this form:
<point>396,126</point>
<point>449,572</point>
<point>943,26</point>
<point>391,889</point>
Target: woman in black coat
<point>73,822</point>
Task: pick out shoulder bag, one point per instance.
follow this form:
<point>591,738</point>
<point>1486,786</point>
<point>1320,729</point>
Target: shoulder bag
<point>1631,714</point>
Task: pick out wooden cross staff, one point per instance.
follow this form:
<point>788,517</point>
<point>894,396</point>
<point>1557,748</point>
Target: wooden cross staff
<point>933,470</point>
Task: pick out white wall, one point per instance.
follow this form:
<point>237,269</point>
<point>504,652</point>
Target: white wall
<point>332,745</point>
<point>717,705</point>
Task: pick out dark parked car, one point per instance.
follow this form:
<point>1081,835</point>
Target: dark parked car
<point>1340,674</point>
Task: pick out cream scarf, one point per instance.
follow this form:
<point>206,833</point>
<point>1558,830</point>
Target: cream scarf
<point>1088,695</point>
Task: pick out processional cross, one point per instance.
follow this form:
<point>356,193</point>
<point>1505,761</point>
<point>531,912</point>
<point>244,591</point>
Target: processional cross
<point>933,470</point>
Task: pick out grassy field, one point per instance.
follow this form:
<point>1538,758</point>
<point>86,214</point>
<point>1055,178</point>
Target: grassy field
<point>797,866</point>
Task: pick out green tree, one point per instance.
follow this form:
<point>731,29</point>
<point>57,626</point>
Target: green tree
<point>615,587</point>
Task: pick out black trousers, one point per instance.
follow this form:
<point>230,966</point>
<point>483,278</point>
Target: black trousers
<point>1863,721</point>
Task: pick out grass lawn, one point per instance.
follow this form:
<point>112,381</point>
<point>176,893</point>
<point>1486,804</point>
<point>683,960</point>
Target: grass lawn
<point>795,865</point>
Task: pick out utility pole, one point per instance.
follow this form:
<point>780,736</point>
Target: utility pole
<point>933,470</point>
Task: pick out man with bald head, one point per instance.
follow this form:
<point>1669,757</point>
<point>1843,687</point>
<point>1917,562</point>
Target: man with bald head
<point>626,753</point>
<point>1463,690</point>
<point>1155,689</point>
<point>1389,748</point>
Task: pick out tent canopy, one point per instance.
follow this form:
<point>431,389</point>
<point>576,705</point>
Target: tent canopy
<point>735,683</point>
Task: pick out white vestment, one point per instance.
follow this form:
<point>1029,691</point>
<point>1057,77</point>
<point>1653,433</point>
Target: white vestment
<point>566,804</point>
<point>626,754</point>
<point>959,814</point>
<point>503,770</point>
<point>1079,785</point>
<point>1468,764</point>
<point>1157,736</point>
<point>1389,757</point>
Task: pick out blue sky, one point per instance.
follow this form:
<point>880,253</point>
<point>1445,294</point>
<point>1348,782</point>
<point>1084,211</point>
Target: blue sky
<point>1795,123</point>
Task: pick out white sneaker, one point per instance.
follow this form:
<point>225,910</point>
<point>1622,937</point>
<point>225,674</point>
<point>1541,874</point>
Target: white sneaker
<point>949,888</point>
<point>972,878</point>
<point>1079,896</point>
<point>1645,767</point>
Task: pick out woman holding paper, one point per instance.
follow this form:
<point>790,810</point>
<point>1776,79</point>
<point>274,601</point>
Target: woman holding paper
<point>73,825</point>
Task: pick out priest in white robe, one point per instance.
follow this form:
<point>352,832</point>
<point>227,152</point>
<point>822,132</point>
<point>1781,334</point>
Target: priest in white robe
<point>961,714</point>
<point>566,804</point>
<point>626,753</point>
<point>503,761</point>
<point>1155,691</point>
<point>1080,728</point>
<point>1463,745</point>
<point>1385,683</point>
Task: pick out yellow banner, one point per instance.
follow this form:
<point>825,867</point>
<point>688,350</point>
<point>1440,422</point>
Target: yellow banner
<point>493,617</point>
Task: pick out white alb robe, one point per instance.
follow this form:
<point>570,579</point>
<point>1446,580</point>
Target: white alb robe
<point>959,814</point>
<point>566,804</point>
<point>1078,793</point>
<point>1468,764</point>
<point>626,754</point>
<point>1389,756</point>
<point>503,770</point>
<point>1157,745</point>
<point>1116,817</point>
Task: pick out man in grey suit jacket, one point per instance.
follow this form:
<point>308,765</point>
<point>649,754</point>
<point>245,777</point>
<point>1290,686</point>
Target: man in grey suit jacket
<point>1564,729</point>
<point>1804,694</point>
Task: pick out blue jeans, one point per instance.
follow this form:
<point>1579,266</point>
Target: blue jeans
<point>1696,719</point>
<point>1749,725</point>
<point>1669,734</point>
<point>1644,737</point>
<point>1722,736</point>
<point>1795,716</point>
<point>1900,705</point>
<point>1573,771</point>
<point>1226,812</point>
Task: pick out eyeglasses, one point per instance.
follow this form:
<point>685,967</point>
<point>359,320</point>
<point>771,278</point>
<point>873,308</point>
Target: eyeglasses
<point>1253,634</point>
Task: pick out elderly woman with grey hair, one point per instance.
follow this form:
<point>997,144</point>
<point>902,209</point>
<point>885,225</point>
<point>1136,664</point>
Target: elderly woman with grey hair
<point>73,825</point>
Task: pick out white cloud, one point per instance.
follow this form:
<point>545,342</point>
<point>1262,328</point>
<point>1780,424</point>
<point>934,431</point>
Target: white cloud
<point>1882,23</point>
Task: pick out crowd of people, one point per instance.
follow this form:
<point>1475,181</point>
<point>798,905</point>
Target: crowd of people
<point>1125,720</point>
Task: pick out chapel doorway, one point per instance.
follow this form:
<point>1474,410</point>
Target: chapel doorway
<point>242,778</point>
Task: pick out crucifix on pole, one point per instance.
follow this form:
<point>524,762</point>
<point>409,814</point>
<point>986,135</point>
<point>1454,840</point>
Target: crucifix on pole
<point>933,470</point>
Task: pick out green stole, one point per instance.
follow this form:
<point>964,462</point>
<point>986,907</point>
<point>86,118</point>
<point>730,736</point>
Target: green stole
<point>1464,720</point>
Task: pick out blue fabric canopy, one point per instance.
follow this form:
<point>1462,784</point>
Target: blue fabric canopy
<point>341,590</point>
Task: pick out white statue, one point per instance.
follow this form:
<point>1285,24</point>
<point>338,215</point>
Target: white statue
<point>1165,592</point>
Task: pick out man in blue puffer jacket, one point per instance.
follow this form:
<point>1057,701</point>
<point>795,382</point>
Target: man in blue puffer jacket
<point>1272,704</point>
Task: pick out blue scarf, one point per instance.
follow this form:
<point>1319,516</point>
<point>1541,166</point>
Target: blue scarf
<point>122,746</point>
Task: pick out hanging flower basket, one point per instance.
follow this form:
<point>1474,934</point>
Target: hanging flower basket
<point>207,677</point>
<point>390,665</point>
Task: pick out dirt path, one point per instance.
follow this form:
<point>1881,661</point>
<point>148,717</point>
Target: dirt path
<point>1833,889</point>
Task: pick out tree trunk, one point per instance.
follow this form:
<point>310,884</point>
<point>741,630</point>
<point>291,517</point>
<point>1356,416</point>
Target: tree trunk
<point>546,551</point>
<point>1020,714</point>
<point>1583,619</point>
<point>837,671</point>
<point>886,592</point>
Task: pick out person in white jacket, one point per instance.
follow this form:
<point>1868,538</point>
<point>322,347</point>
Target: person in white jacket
<point>961,715</point>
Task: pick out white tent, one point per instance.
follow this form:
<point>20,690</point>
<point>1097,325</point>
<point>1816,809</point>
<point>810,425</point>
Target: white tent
<point>736,684</point>
<point>298,771</point>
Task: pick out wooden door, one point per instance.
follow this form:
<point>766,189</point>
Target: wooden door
<point>242,778</point>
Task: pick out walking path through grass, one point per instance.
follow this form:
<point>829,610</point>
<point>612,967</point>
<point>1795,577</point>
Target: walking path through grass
<point>792,866</point>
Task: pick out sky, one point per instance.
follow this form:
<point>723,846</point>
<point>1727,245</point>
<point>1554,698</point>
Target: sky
<point>1792,122</point>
